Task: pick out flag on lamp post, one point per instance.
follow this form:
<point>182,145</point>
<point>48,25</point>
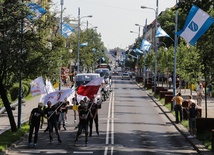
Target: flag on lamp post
<point>161,33</point>
<point>145,45</point>
<point>84,44</point>
<point>197,23</point>
<point>139,51</point>
<point>67,30</point>
<point>37,10</point>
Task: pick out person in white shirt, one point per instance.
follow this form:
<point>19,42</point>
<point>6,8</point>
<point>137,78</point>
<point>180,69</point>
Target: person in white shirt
<point>170,82</point>
<point>200,94</point>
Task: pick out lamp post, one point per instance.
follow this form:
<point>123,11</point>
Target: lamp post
<point>137,57</point>
<point>175,51</point>
<point>133,32</point>
<point>78,46</point>
<point>155,40</point>
<point>139,29</point>
<point>93,28</point>
<point>20,76</point>
<point>60,67</point>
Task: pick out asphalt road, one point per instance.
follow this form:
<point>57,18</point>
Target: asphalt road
<point>130,124</point>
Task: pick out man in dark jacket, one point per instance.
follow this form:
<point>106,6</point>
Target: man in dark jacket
<point>52,116</point>
<point>84,115</point>
<point>34,122</point>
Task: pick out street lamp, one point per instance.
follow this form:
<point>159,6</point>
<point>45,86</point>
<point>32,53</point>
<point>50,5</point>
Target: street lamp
<point>94,50</point>
<point>139,29</point>
<point>78,46</point>
<point>133,32</point>
<point>60,70</point>
<point>155,40</point>
<point>137,58</point>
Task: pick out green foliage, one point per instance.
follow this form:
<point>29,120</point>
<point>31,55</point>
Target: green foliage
<point>14,91</point>
<point>206,139</point>
<point>8,137</point>
<point>203,4</point>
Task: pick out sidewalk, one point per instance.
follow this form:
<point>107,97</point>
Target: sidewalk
<point>26,109</point>
<point>210,102</point>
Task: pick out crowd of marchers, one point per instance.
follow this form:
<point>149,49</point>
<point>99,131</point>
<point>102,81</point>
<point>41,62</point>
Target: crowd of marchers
<point>85,113</point>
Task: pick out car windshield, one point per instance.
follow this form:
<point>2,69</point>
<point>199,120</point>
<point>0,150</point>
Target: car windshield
<point>125,74</point>
<point>86,77</point>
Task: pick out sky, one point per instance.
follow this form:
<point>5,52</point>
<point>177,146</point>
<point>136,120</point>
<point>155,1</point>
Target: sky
<point>114,18</point>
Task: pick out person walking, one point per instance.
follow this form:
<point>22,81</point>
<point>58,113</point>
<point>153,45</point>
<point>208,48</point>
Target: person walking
<point>200,94</point>
<point>51,113</point>
<point>178,107</point>
<point>210,89</point>
<point>170,82</point>
<point>94,111</point>
<point>193,114</point>
<point>190,101</point>
<point>34,122</point>
<point>75,108</point>
<point>84,115</point>
<point>62,114</point>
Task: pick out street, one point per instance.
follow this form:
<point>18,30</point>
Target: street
<point>129,123</point>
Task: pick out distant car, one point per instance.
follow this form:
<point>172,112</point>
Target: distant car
<point>125,76</point>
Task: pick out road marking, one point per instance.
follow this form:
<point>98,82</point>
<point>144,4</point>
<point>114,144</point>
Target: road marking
<point>82,152</point>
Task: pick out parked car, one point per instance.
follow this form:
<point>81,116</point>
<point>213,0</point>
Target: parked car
<point>125,76</point>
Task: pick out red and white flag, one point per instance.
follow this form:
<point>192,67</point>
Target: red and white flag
<point>59,96</point>
<point>37,86</point>
<point>90,89</point>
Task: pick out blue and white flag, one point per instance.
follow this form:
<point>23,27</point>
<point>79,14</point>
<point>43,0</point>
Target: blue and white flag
<point>161,33</point>
<point>139,51</point>
<point>145,45</point>
<point>103,59</point>
<point>84,44</point>
<point>196,25</point>
<point>66,30</point>
<point>37,10</point>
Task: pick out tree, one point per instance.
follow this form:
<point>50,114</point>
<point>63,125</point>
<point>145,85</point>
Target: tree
<point>25,52</point>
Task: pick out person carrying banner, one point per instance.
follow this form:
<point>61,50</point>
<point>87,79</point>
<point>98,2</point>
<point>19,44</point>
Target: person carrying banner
<point>84,116</point>
<point>34,122</point>
<point>51,113</point>
<point>94,111</point>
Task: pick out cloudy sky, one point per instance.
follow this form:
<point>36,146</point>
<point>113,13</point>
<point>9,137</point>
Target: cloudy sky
<point>115,18</point>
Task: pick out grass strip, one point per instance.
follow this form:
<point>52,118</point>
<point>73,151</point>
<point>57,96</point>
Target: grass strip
<point>9,137</point>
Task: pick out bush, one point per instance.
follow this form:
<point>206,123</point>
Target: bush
<point>14,91</point>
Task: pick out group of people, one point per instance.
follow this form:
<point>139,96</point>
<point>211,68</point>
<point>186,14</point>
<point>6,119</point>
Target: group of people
<point>57,116</point>
<point>191,109</point>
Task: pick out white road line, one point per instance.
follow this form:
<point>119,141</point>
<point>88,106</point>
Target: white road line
<point>112,150</point>
<point>82,152</point>
<point>108,120</point>
<point>106,151</point>
<point>112,120</point>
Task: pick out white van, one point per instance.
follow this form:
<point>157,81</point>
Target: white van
<point>84,78</point>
